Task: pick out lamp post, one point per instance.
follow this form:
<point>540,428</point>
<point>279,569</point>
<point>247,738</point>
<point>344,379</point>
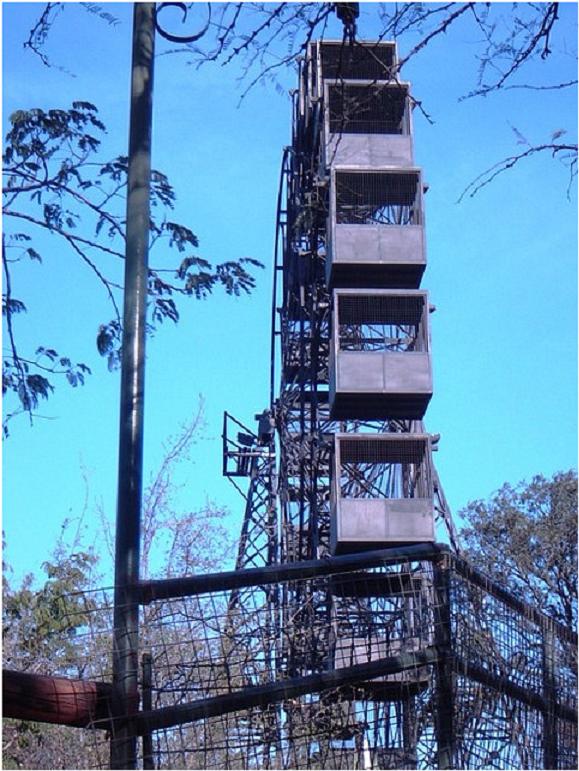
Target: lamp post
<point>127,544</point>
<point>125,698</point>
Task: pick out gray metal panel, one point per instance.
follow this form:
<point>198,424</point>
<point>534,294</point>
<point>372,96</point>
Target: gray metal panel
<point>361,150</point>
<point>378,243</point>
<point>360,371</point>
<point>361,523</point>
<point>359,650</point>
<point>383,372</point>
<point>362,520</point>
<point>370,523</point>
<point>410,519</point>
<point>407,372</point>
<point>365,384</point>
<point>378,406</point>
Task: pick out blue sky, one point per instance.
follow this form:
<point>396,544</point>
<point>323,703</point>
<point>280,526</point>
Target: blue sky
<point>501,272</point>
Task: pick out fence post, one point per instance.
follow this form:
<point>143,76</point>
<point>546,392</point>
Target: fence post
<point>445,676</point>
<point>550,744</point>
<point>147,701</point>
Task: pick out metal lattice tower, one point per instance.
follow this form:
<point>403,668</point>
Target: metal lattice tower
<point>377,646</point>
<point>350,327</point>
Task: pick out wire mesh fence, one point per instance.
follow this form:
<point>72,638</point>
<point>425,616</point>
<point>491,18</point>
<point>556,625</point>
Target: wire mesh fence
<point>362,61</point>
<point>294,645</point>
<point>368,109</point>
<point>384,466</point>
<point>376,660</point>
<point>516,679</point>
<point>345,669</point>
<point>381,322</point>
<point>377,198</point>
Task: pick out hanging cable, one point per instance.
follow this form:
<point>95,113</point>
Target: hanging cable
<point>348,13</point>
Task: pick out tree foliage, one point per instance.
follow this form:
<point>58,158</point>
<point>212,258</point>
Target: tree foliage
<point>525,538</point>
<point>62,626</point>
<point>59,627</point>
<point>55,181</point>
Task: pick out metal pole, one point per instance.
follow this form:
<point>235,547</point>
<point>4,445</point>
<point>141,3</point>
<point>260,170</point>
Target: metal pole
<point>444,715</point>
<point>127,550</point>
<point>147,666</point>
<point>173,588</point>
<point>550,744</point>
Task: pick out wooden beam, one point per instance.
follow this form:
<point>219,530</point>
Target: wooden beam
<point>78,703</point>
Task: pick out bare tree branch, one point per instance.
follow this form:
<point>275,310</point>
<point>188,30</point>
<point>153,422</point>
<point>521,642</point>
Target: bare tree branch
<point>442,27</point>
<point>533,40</point>
<point>531,87</point>
<point>486,177</point>
<point>38,34</point>
<point>25,396</point>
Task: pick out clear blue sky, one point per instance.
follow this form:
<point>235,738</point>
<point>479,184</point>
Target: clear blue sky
<point>501,272</point>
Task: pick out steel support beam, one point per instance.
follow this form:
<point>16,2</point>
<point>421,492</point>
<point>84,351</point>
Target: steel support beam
<point>281,690</point>
<point>516,692</point>
<point>445,670</point>
<point>165,589</point>
<point>147,704</point>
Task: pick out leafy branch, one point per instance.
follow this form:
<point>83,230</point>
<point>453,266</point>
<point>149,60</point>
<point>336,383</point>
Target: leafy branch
<point>55,182</point>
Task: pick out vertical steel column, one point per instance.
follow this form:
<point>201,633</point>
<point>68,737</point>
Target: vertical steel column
<point>147,670</point>
<point>127,549</point>
<point>550,743</point>
<point>445,690</point>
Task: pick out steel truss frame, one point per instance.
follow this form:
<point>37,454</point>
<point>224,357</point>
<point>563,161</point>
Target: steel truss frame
<point>301,328</point>
<point>325,627</point>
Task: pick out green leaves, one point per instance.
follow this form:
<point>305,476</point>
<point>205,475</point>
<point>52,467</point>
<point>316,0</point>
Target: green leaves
<point>525,537</point>
<point>37,387</point>
<point>234,278</point>
<point>191,262</point>
<point>36,135</point>
<point>54,182</point>
<point>116,169</point>
<point>180,236</point>
<point>25,377</point>
<point>52,214</point>
<point>62,365</point>
<point>231,275</point>
<point>33,254</point>
<point>11,305</point>
<point>48,619</point>
<point>30,387</point>
<point>165,309</point>
<point>161,190</point>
